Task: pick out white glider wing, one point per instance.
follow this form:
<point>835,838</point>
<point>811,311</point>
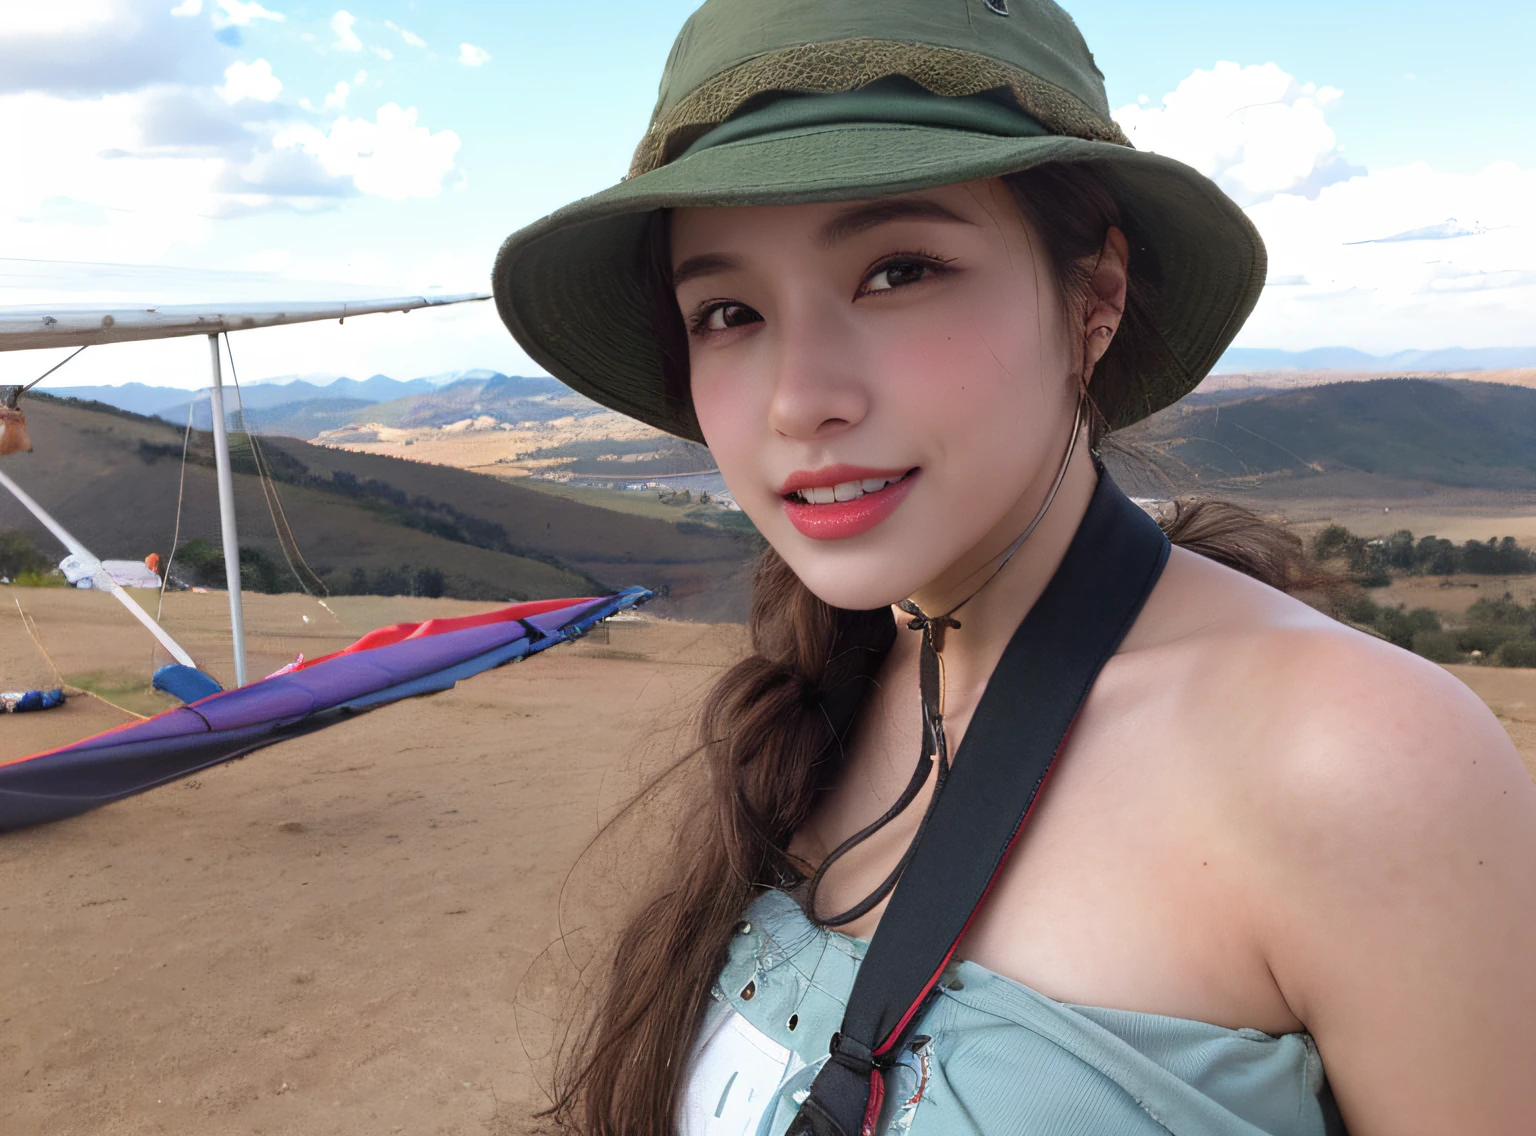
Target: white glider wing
<point>26,329</point>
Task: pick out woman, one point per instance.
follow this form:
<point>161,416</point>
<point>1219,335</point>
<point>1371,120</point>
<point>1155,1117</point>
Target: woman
<point>897,267</point>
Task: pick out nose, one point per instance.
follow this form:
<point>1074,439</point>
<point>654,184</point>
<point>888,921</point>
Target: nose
<point>818,389</point>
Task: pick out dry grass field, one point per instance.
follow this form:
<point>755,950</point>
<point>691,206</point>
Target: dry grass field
<point>330,937</point>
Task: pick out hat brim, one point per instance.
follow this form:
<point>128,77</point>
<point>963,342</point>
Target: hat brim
<point>572,287</point>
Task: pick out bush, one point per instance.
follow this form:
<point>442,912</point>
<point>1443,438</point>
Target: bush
<point>1516,653</point>
<point>20,557</point>
<point>1438,646</point>
<point>403,580</point>
<point>40,580</point>
<point>1395,624</point>
<point>1401,626</point>
<point>199,562</point>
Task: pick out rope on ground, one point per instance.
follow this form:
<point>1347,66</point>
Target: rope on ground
<point>31,629</point>
<point>269,490</point>
<point>68,688</point>
<point>76,691</point>
<point>181,489</point>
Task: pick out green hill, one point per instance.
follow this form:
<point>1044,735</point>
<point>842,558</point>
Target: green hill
<point>305,419</point>
<point>1443,433</point>
<point>112,477</point>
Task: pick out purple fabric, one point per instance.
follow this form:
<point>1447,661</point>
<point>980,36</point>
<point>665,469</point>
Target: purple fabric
<point>95,771</point>
<point>291,696</point>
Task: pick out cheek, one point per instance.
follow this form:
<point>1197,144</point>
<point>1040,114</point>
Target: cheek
<point>730,416</point>
<point>972,385</point>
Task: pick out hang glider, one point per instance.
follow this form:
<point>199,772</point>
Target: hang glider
<point>25,329</point>
<point>382,667</point>
<point>29,328</point>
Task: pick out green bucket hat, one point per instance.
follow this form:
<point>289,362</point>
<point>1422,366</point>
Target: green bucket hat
<point>780,102</point>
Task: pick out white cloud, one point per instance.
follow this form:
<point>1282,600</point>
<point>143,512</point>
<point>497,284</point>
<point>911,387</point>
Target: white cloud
<point>1371,282</point>
<point>1380,260</point>
<point>250,81</point>
<point>90,47</point>
<point>472,56</point>
<point>337,99</point>
<point>1255,131</point>
<point>391,157</point>
<point>24,21</point>
<point>346,39</point>
<point>188,8</point>
<point>360,78</point>
<point>239,14</point>
<point>382,52</point>
<point>411,38</point>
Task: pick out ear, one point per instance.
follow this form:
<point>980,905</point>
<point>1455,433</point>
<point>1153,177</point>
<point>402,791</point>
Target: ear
<point>1106,299</point>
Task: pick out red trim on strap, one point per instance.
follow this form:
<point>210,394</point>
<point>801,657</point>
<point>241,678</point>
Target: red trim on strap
<point>876,1099</point>
<point>895,1035</point>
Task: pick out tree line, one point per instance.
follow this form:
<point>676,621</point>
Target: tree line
<point>1372,562</point>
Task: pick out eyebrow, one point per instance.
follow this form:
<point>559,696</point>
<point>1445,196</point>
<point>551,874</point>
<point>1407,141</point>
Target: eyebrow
<point>845,225</point>
<point>861,218</point>
<point>705,264</point>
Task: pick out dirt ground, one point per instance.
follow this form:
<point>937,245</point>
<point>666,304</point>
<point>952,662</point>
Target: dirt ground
<point>328,937</point>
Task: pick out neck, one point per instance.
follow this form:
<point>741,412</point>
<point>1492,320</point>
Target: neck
<point>990,617</point>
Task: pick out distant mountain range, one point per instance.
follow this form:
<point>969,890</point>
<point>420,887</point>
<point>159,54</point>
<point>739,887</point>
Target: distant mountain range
<point>303,406</point>
<point>170,403</point>
<point>1241,360</point>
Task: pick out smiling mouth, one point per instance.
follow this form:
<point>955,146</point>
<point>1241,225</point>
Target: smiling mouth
<point>844,490</point>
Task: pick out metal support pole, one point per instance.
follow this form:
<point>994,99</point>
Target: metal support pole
<point>100,580</point>
<point>227,531</point>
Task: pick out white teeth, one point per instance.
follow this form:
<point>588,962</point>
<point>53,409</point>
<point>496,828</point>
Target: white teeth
<point>844,491</point>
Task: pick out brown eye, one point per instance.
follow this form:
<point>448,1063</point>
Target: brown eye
<point>722,317</point>
<point>897,273</point>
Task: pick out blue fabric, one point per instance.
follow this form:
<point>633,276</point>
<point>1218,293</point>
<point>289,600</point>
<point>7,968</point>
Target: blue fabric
<point>184,682</point>
<point>992,1056</point>
<point>24,700</point>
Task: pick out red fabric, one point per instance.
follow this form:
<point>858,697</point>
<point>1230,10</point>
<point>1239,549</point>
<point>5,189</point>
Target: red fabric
<point>876,1099</point>
<point>384,636</point>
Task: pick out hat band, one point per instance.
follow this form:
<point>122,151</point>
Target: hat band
<point>886,101</point>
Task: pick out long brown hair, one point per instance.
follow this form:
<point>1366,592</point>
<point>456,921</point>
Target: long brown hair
<point>770,747</point>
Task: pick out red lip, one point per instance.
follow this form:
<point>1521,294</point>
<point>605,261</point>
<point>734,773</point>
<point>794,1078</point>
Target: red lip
<point>834,475</point>
<point>842,519</point>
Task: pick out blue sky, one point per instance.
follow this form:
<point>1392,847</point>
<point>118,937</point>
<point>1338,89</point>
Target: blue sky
<point>204,139</point>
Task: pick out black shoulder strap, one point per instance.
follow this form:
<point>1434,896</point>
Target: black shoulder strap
<point>1018,730</point>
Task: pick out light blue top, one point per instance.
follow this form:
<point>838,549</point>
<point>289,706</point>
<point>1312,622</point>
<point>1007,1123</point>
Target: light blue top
<point>993,1057</point>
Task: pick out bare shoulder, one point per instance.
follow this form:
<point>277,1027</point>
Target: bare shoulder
<point>1322,700</point>
<point>1330,733</point>
<point>1388,828</point>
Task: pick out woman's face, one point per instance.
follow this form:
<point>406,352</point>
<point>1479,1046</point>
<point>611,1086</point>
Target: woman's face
<point>886,385</point>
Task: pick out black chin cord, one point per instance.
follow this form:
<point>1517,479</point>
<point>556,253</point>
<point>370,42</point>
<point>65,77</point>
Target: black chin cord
<point>930,670</point>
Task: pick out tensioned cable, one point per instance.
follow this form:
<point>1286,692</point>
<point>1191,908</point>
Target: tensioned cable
<point>181,489</point>
<point>269,491</point>
<point>51,370</point>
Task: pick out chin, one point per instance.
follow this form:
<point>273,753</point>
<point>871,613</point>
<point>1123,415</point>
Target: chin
<point>876,575</point>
